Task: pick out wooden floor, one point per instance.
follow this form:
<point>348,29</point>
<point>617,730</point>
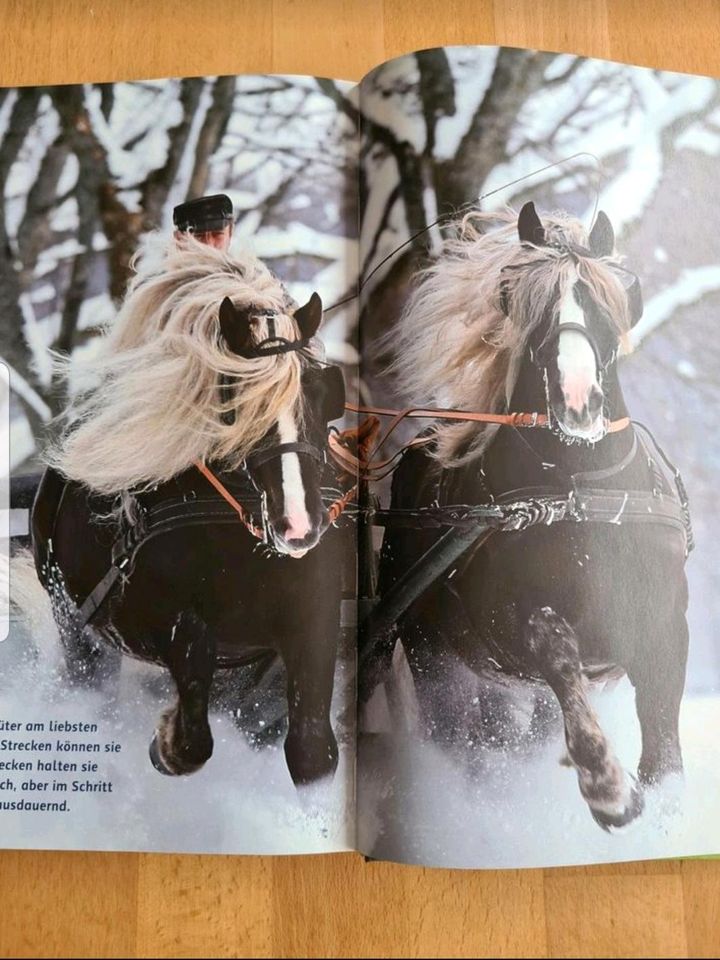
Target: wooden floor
<point>89,905</point>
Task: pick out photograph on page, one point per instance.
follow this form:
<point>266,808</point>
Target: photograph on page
<point>179,669</point>
<point>539,665</point>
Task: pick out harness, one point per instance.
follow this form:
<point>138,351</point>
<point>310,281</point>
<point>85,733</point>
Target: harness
<point>583,500</point>
<point>151,517</point>
<point>155,513</point>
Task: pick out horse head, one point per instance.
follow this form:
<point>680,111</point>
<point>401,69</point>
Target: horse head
<point>593,302</point>
<point>287,463</point>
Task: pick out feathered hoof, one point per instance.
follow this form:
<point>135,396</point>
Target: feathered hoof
<point>157,760</point>
<point>609,821</point>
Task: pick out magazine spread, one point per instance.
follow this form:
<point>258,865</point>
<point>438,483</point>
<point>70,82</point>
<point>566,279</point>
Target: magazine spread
<point>361,460</point>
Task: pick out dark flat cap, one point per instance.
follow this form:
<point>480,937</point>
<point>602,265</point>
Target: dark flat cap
<point>204,214</point>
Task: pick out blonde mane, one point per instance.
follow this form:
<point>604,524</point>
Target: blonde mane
<point>455,345</point>
<point>148,402</point>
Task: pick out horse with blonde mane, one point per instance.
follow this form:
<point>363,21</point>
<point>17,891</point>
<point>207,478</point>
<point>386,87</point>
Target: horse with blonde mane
<point>208,380</point>
<point>523,314</point>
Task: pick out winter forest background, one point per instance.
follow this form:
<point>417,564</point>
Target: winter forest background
<point>88,169</point>
<point>444,126</point>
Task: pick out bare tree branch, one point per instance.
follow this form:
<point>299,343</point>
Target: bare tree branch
<point>408,161</point>
<point>437,91</point>
<point>392,199</point>
<point>212,132</point>
<point>35,230</point>
<point>13,345</point>
<point>562,78</point>
<point>97,200</point>
<point>107,98</point>
<point>517,75</point>
<point>156,188</point>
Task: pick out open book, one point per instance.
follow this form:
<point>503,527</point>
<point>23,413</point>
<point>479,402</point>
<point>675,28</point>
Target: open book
<point>362,457</point>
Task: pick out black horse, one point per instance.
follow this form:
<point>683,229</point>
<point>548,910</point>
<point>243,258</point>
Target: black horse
<point>558,602</point>
<point>193,588</point>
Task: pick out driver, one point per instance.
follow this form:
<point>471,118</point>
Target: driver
<point>209,219</point>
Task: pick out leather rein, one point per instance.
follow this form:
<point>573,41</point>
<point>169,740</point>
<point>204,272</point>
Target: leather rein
<point>370,469</point>
<point>362,466</point>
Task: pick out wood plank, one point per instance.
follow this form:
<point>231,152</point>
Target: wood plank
<point>381,909</point>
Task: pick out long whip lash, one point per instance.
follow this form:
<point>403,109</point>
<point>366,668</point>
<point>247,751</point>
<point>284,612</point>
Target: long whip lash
<point>471,203</point>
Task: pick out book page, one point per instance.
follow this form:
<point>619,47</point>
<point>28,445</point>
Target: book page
<point>178,674</point>
<point>539,659</point>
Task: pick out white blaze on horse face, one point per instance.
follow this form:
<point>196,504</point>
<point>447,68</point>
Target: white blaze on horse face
<point>292,485</point>
<point>576,361</point>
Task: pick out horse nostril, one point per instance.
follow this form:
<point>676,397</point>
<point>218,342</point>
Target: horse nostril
<point>302,543</point>
<point>595,400</point>
<point>575,417</point>
<point>295,529</point>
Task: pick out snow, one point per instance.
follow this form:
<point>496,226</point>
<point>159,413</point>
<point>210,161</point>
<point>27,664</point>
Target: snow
<point>179,190</point>
<point>65,217</point>
<point>96,311</point>
<point>22,442</point>
<point>632,190</point>
<point>6,108</point>
<point>519,807</point>
<point>22,388</point>
<point>472,71</point>
<point>698,137</point>
<point>686,369</point>
<point>385,99</point>
<point>216,810</point>
<point>162,111</point>
<point>692,284</point>
<point>35,340</point>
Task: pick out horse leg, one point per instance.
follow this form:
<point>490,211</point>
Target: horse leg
<point>311,749</point>
<point>659,681</point>
<point>612,795</point>
<point>183,742</point>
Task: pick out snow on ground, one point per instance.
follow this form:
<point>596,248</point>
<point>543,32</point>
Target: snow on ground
<point>242,801</point>
<point>421,803</point>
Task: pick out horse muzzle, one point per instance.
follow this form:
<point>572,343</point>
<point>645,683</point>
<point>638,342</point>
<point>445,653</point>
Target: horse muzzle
<point>295,540</point>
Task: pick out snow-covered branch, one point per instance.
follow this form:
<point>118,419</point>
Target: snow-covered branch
<point>690,287</point>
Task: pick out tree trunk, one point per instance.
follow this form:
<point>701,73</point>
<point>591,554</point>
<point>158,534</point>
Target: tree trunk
<point>156,188</point>
<point>213,130</point>
<point>13,345</point>
<point>517,74</point>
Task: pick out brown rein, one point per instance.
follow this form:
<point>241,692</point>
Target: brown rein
<point>363,468</point>
<point>368,469</point>
<point>245,517</point>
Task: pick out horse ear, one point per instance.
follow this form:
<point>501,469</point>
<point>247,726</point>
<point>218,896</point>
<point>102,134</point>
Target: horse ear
<point>635,302</point>
<point>234,326</point>
<point>530,228</point>
<point>308,317</point>
<point>602,236</point>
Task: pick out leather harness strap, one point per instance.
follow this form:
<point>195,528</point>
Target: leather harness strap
<point>245,517</point>
<point>370,469</point>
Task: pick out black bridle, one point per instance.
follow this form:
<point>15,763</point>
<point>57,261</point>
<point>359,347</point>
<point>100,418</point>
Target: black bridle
<point>273,344</point>
<point>576,251</point>
<point>540,355</point>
